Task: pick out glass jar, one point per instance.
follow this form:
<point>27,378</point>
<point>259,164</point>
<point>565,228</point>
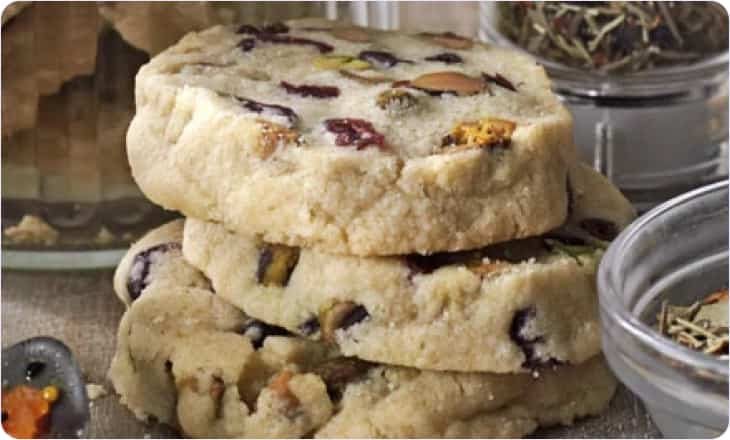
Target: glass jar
<point>655,134</point>
<point>677,252</point>
<point>68,197</point>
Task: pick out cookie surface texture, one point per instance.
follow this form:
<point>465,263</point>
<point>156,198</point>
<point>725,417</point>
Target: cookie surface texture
<point>350,140</point>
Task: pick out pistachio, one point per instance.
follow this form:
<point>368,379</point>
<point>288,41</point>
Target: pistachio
<point>340,62</point>
<point>454,82</point>
<point>276,264</point>
<point>341,315</point>
<point>351,33</point>
<point>448,40</point>
<point>485,133</point>
<point>272,135</point>
<point>396,99</point>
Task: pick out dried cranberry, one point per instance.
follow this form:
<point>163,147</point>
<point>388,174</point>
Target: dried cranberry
<point>356,132</point>
<point>322,92</point>
<point>499,80</point>
<point>446,57</point>
<point>286,39</point>
<point>520,321</point>
<point>141,265</point>
<point>247,44</point>
<point>381,59</point>
<point>270,109</point>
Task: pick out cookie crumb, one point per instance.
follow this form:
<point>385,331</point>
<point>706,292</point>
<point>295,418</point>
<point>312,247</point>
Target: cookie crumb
<point>104,237</point>
<point>95,391</point>
<point>32,230</point>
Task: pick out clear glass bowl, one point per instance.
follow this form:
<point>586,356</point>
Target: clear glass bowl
<point>655,134</point>
<point>679,252</point>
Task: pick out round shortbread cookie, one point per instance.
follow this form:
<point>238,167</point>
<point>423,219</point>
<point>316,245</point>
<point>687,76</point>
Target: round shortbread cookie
<point>504,308</point>
<point>191,360</point>
<point>350,140</point>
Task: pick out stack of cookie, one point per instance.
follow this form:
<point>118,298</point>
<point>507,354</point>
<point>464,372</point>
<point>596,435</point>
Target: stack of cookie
<point>387,235</point>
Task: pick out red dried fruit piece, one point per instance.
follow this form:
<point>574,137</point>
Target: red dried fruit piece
<point>286,39</point>
<point>356,132</point>
<point>322,92</point>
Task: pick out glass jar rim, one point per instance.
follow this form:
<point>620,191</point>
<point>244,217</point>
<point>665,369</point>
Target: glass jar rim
<point>659,81</point>
<point>611,303</point>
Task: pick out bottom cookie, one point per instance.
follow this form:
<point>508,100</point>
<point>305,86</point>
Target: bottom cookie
<point>187,358</point>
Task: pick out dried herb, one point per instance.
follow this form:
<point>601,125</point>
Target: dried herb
<point>702,326</point>
<point>617,36</point>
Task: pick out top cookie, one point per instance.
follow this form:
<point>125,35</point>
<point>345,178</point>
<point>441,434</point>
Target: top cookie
<point>352,140</point>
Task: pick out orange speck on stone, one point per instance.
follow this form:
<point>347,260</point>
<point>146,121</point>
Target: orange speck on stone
<point>25,412</point>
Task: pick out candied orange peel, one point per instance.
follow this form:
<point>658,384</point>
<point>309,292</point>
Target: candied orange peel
<point>487,132</point>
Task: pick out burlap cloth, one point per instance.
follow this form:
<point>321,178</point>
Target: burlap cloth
<point>81,310</point>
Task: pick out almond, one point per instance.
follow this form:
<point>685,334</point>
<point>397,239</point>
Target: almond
<point>354,34</point>
<point>449,82</point>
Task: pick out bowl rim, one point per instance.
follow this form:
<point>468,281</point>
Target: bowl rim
<point>613,307</point>
<point>661,80</point>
